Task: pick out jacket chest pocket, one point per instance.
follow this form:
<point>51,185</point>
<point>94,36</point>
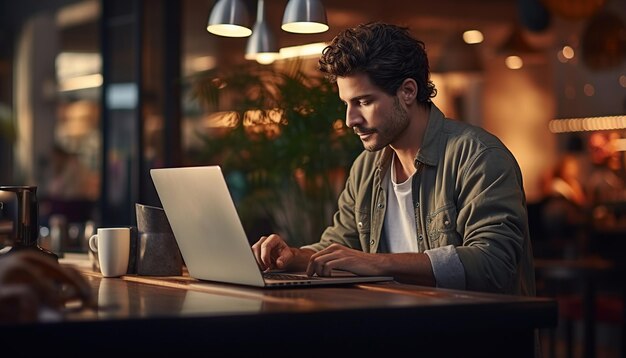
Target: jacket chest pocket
<point>441,227</point>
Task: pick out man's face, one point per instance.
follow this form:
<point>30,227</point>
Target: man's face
<point>376,117</point>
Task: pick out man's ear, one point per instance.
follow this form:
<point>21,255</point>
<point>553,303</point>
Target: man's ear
<point>407,92</point>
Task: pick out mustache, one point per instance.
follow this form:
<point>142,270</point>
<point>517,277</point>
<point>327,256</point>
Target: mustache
<point>362,130</point>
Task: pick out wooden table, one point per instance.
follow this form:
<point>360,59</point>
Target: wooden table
<point>174,315</point>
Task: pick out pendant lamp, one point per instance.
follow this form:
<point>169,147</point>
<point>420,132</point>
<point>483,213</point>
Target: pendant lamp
<point>262,44</point>
<point>229,18</point>
<point>305,17</point>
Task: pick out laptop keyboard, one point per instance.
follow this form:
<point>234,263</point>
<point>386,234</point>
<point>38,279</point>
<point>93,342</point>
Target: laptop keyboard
<point>288,277</point>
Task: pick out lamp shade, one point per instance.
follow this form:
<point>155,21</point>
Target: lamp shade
<point>305,17</point>
<point>261,45</point>
<point>229,18</point>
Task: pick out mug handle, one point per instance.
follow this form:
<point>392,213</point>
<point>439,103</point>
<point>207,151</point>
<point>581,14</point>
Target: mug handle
<point>93,243</point>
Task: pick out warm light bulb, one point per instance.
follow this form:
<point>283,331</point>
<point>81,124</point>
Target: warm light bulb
<point>514,62</point>
<point>305,27</point>
<point>473,37</point>
<point>266,58</point>
<point>568,52</point>
<point>229,30</point>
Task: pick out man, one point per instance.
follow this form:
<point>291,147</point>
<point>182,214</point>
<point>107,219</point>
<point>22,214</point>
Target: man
<point>431,201</point>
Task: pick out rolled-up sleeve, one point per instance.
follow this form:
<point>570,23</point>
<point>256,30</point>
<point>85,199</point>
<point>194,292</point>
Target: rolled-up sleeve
<point>447,267</point>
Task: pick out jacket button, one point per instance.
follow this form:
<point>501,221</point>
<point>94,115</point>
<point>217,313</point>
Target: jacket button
<point>380,205</point>
<point>420,238</point>
<point>372,242</point>
<point>417,205</point>
<point>446,223</point>
<point>360,224</point>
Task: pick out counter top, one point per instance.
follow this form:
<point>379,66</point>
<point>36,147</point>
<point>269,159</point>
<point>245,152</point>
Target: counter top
<point>162,312</point>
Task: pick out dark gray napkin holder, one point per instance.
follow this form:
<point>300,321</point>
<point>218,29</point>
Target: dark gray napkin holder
<point>157,253</point>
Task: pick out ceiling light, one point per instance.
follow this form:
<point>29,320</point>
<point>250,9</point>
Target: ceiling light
<point>229,18</point>
<point>514,62</point>
<point>473,37</point>
<point>262,44</point>
<point>305,17</point>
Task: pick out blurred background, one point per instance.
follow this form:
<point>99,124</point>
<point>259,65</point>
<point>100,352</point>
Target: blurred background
<point>93,94</point>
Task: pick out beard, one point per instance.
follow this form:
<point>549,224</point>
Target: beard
<point>386,133</point>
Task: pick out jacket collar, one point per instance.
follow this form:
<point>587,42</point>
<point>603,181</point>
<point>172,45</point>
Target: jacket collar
<point>429,152</point>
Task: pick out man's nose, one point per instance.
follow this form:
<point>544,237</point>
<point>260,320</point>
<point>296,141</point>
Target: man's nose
<point>353,117</point>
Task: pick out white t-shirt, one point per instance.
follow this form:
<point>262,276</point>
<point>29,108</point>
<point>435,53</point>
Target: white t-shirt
<point>400,225</point>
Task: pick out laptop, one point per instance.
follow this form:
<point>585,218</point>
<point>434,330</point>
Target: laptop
<point>210,235</point>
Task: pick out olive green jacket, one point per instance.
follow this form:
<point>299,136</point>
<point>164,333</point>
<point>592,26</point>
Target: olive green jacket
<point>467,192</point>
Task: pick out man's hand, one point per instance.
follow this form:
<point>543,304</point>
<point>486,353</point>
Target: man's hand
<point>31,282</point>
<point>272,252</point>
<point>339,257</point>
<point>409,267</point>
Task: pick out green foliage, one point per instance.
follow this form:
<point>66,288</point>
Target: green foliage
<point>292,161</point>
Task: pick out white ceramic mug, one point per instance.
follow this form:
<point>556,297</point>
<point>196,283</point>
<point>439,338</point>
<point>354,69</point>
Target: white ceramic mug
<point>113,248</point>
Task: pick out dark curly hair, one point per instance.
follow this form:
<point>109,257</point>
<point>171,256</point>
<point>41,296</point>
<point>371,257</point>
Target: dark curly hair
<point>387,53</point>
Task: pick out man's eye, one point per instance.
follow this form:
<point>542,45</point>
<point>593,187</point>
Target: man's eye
<point>364,102</point>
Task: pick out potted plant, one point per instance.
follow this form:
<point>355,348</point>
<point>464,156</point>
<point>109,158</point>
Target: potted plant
<point>284,146</point>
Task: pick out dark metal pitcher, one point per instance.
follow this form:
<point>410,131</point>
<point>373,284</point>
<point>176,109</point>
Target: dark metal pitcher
<point>26,218</point>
